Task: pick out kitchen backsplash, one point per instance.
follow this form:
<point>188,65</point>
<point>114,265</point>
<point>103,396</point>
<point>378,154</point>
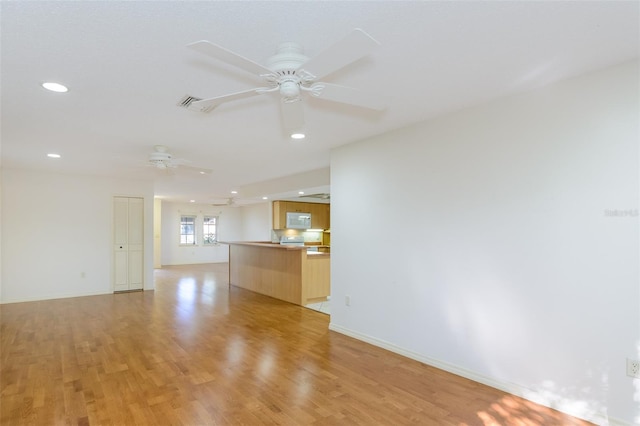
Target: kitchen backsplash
<point>309,236</point>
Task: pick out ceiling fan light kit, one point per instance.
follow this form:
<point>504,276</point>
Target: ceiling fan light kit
<point>291,73</point>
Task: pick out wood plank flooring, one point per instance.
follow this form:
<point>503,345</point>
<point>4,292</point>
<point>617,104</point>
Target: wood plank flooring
<point>195,352</point>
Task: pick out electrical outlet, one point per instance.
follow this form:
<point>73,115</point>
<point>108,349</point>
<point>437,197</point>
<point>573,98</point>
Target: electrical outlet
<point>633,368</point>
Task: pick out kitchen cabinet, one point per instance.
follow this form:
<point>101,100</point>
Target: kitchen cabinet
<point>279,214</point>
<point>294,206</point>
<point>320,213</point>
<point>319,216</point>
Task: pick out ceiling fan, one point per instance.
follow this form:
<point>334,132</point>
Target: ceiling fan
<point>162,159</point>
<point>292,74</point>
<point>231,202</point>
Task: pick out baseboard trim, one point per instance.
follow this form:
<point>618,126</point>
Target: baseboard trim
<point>511,388</point>
<point>54,297</point>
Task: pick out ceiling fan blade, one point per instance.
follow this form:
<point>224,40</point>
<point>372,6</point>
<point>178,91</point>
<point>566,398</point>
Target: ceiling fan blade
<point>224,55</point>
<point>206,105</point>
<point>354,46</point>
<point>292,116</point>
<point>229,202</point>
<point>194,169</point>
<point>186,165</point>
<point>349,95</point>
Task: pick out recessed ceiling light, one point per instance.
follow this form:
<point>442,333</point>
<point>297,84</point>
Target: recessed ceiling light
<point>234,192</point>
<point>52,155</point>
<point>265,198</point>
<point>55,87</point>
<point>297,135</point>
<point>300,192</point>
<point>192,201</point>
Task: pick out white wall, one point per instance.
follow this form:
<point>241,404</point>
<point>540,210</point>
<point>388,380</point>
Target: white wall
<point>57,234</point>
<point>56,238</point>
<point>499,257</point>
<point>0,234</point>
<point>246,223</point>
<point>229,229</point>
<point>256,222</point>
<point>157,233</point>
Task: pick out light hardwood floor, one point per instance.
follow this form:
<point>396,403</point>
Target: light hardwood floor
<point>194,352</point>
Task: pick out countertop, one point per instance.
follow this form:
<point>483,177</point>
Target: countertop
<point>264,244</point>
<point>269,244</point>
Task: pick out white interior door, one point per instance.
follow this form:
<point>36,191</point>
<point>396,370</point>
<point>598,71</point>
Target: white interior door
<point>128,216</point>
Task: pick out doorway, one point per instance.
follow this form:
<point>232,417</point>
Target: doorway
<point>128,239</point>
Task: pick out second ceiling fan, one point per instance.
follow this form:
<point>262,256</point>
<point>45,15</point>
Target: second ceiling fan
<point>291,73</point>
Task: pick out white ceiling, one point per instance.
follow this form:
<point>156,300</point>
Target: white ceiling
<point>127,66</point>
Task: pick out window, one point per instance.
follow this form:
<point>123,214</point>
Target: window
<point>210,230</point>
<point>187,230</point>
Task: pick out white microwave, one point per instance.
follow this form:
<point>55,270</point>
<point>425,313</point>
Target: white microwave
<point>298,220</point>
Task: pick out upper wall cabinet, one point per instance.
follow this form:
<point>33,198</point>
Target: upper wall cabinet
<point>320,213</point>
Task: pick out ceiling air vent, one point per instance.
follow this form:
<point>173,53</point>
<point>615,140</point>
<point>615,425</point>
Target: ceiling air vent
<point>187,100</point>
<point>319,196</point>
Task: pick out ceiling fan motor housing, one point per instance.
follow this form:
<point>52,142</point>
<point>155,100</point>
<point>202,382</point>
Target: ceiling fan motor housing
<point>160,159</point>
<point>287,59</point>
<point>284,64</point>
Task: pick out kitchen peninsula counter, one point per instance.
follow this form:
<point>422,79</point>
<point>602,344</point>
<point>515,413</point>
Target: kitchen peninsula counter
<point>284,272</point>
